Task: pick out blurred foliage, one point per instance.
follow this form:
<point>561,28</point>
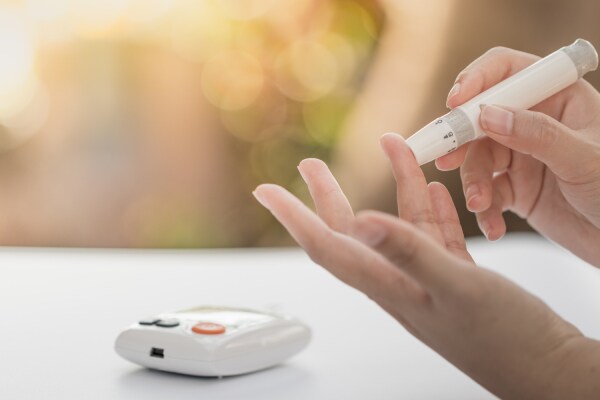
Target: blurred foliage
<point>277,81</point>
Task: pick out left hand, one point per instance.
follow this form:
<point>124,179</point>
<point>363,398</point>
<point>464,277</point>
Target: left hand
<point>417,268</point>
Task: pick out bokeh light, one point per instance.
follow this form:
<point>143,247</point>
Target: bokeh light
<point>46,11</point>
<point>17,81</point>
<point>200,30</point>
<point>144,13</point>
<point>244,9</point>
<point>161,116</point>
<point>306,71</point>
<point>306,19</point>
<point>170,107</point>
<point>30,118</point>
<point>263,120</point>
<point>93,18</point>
<point>232,80</point>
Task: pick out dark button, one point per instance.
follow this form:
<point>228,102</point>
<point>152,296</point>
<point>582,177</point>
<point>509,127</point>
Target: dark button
<point>167,323</point>
<point>148,321</point>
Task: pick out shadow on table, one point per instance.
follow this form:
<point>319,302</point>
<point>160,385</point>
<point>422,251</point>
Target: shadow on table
<point>283,381</point>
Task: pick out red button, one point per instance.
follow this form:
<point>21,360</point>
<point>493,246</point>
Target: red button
<point>208,328</point>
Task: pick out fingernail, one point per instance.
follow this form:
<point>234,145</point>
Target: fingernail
<point>261,199</point>
<point>302,173</point>
<point>371,234</point>
<point>486,229</point>
<point>496,119</point>
<point>453,92</point>
<point>472,193</point>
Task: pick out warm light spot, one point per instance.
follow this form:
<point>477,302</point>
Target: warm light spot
<point>200,30</point>
<point>232,80</point>
<point>306,71</point>
<point>96,18</point>
<point>46,11</point>
<point>244,9</point>
<point>17,82</point>
<point>301,18</point>
<point>28,121</point>
<point>261,121</point>
<point>142,12</point>
<point>345,56</point>
<point>14,101</point>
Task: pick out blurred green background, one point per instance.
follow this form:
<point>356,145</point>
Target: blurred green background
<point>147,123</point>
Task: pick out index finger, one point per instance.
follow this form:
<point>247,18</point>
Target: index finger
<point>493,66</point>
<point>412,195</point>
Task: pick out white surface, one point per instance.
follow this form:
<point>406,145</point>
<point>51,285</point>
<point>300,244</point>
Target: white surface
<point>61,310</point>
<point>251,341</point>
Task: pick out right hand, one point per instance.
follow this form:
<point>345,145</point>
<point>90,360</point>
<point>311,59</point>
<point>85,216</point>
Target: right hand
<point>543,164</point>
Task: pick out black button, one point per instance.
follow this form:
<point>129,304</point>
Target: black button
<point>167,323</point>
<point>148,321</point>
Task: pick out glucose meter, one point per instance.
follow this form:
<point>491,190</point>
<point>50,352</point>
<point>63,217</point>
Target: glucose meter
<point>213,341</point>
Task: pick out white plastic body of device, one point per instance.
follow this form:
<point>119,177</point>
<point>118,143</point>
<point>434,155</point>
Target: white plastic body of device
<point>213,341</point>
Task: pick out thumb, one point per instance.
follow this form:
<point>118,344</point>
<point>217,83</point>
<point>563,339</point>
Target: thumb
<point>538,135</point>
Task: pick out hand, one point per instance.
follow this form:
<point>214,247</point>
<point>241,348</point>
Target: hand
<point>543,164</point>
<point>417,268</point>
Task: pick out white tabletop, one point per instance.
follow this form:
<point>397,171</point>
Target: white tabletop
<point>60,311</point>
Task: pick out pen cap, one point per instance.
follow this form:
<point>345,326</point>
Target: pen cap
<point>583,55</point>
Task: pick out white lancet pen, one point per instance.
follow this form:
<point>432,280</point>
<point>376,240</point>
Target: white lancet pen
<point>523,90</point>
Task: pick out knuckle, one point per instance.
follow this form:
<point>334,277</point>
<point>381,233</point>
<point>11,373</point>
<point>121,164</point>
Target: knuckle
<point>407,253</point>
<point>316,247</point>
<point>543,130</point>
<point>481,178</point>
<point>455,244</point>
<point>423,298</point>
<point>469,175</point>
<point>423,216</point>
<point>497,51</point>
<point>315,257</point>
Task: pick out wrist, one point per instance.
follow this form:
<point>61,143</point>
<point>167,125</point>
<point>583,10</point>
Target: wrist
<point>575,371</point>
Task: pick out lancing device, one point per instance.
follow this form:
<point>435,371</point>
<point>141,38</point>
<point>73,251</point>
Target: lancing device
<point>522,90</point>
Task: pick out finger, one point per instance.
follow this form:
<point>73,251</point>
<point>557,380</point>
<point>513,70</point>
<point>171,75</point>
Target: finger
<point>453,160</point>
<point>331,203</point>
<point>448,221</point>
<point>564,151</point>
<point>492,67</point>
<point>413,200</point>
<point>491,222</point>
<point>408,248</point>
<point>345,258</point>
<point>481,161</point>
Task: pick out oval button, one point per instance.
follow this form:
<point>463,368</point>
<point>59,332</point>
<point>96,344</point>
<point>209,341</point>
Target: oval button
<point>208,328</point>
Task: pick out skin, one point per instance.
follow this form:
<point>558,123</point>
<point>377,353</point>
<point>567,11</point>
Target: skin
<point>546,171</point>
<point>417,268</point>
